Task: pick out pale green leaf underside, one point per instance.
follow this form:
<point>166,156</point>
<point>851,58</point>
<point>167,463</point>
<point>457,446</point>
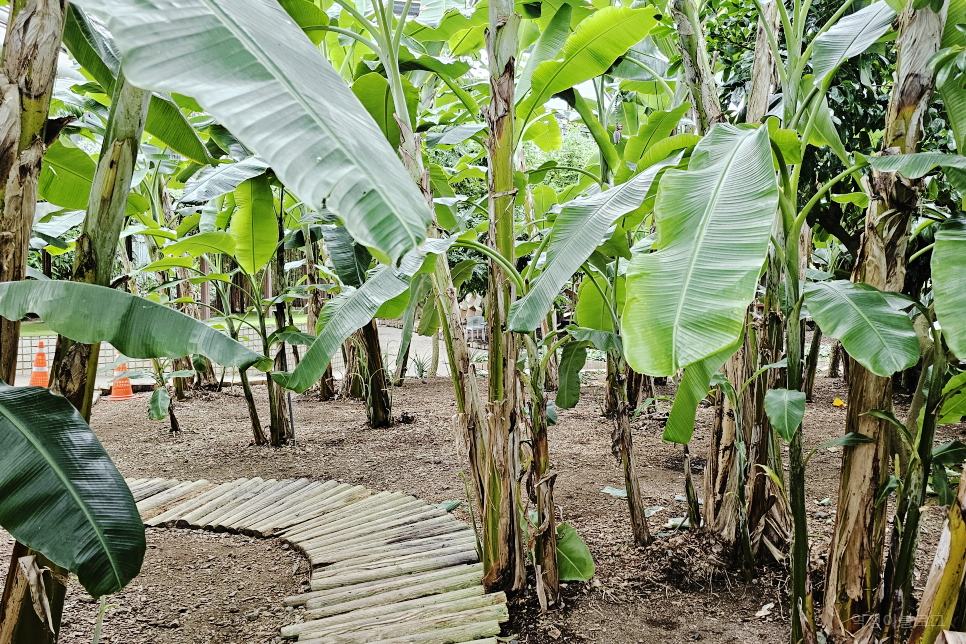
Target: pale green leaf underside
<point>249,65</point>
<point>948,281</point>
<point>136,327</point>
<point>686,299</point>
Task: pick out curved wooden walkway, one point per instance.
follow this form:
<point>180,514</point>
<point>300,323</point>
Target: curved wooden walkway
<point>387,568</point>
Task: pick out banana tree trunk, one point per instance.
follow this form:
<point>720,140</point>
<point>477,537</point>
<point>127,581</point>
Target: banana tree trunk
<point>74,367</point>
<point>541,484</point>
<point>622,444</point>
<point>763,69</point>
<point>257,431</point>
<point>352,377</point>
<point>29,64</point>
<point>698,72</point>
<point>503,560</point>
<point>378,398</point>
<point>944,586</point>
<point>855,560</point>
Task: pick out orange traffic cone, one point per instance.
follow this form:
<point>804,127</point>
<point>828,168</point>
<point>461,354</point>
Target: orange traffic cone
<point>121,388</point>
<point>39,376</point>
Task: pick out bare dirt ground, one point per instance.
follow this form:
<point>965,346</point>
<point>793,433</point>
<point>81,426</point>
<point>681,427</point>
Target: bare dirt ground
<point>202,587</point>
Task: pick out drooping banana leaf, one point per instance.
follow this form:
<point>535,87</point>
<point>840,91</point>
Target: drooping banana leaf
<point>686,299</point>
<point>785,409</point>
<point>694,386</point>
<point>351,310</point>
<point>580,227</point>
<point>251,67</point>
<point>879,337</point>
<point>221,179</point>
<point>849,37</point>
<point>60,493</point>
<point>95,50</point>
<point>572,360</point>
<point>137,327</point>
<point>949,283</point>
<point>350,260</point>
<point>918,164</point>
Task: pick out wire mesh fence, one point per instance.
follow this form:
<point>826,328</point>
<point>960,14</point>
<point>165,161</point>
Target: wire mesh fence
<point>108,355</point>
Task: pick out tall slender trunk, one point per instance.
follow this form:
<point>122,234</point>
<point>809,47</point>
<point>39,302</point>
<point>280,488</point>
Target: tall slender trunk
<point>855,555</point>
<point>763,69</point>
<point>698,72</point>
<point>29,65</point>
<point>540,484</point>
<point>74,367</point>
<point>619,379</point>
<point>945,582</point>
<point>257,431</point>
<point>502,544</point>
<point>378,397</point>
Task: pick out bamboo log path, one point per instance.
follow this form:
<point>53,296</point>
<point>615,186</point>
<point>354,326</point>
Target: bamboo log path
<point>387,568</point>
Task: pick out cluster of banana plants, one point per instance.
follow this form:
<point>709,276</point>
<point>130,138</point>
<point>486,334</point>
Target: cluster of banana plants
<point>316,154</point>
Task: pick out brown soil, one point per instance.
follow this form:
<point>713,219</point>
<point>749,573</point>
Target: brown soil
<point>675,591</point>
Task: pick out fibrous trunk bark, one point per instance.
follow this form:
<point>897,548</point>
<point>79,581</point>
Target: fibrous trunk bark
<point>378,398</point>
<point>620,381</point>
<point>945,582</point>
<point>698,72</point>
<point>503,561</point>
<point>29,64</point>
<point>540,485</point>
<point>855,555</point>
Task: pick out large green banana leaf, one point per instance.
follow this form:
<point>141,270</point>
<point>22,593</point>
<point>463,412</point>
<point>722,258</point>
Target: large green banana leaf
<point>254,226</point>
<point>547,47</point>
<point>694,386</point>
<point>351,310</point>
<point>66,176</point>
<point>580,227</point>
<point>95,51</point>
<point>196,245</point>
<point>879,337</point>
<point>374,93</point>
<point>572,360</point>
<point>786,410</point>
<point>251,67</point>
<point>221,179</point>
<point>918,164</point>
<point>350,260</point>
<point>589,51</point>
<point>686,299</point>
<point>849,37</point>
<point>60,493</point>
<point>136,327</point>
<point>949,283</point>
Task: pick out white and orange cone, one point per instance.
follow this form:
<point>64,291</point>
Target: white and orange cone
<point>39,377</point>
<point>121,388</point>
